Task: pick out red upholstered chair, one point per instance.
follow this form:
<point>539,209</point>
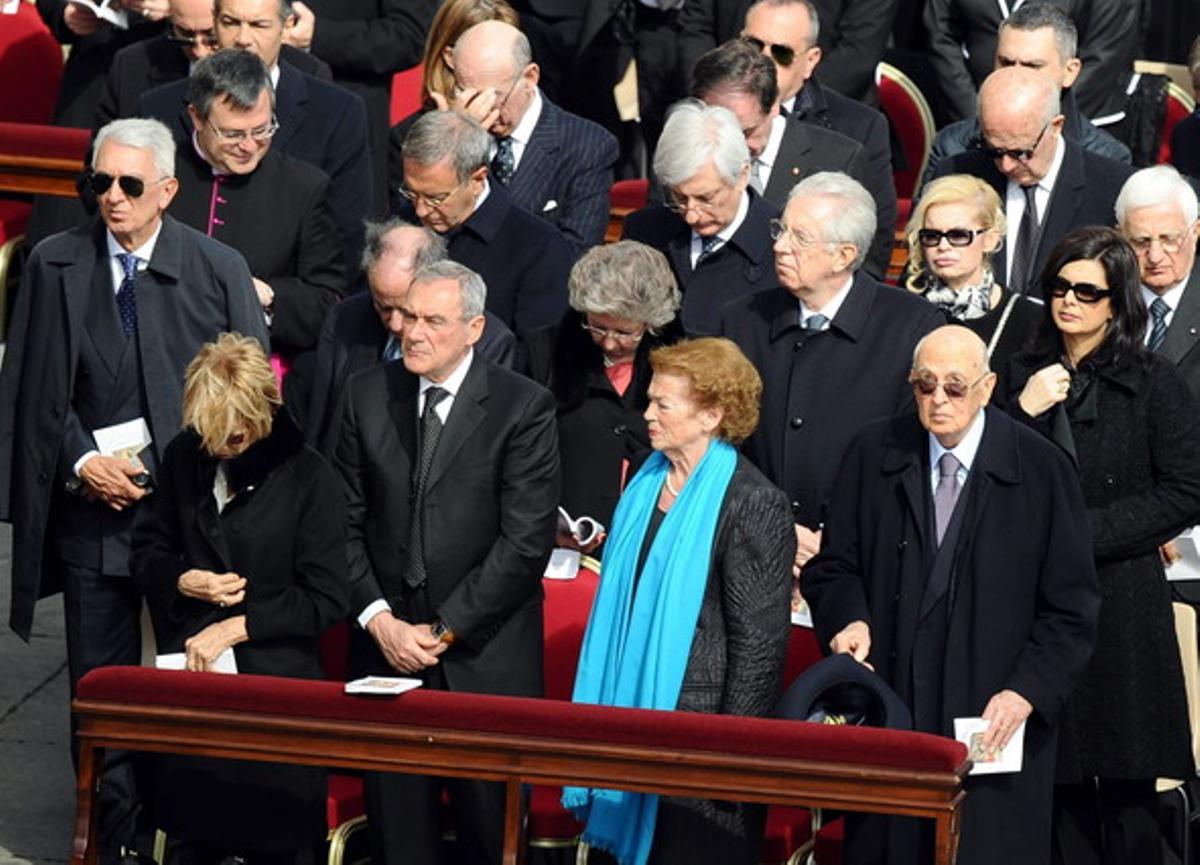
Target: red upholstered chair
<point>28,53</point>
<point>1179,105</point>
<point>909,113</point>
<point>624,198</point>
<point>345,807</point>
<point>406,94</point>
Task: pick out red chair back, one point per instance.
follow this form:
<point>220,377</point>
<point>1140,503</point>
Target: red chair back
<point>629,194</point>
<point>565,612</point>
<point>1179,105</point>
<point>29,53</point>
<point>803,652</point>
<point>406,94</point>
<point>908,111</point>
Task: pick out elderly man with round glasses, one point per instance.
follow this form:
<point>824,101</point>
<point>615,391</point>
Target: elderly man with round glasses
<point>833,345</point>
<point>712,228</point>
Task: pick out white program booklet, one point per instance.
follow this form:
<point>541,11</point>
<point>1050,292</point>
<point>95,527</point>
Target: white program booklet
<point>11,7</point>
<point>385,685</point>
<point>105,12</point>
<point>970,731</point>
<point>225,663</point>
<point>563,564</point>
<point>1187,566</point>
<point>123,440</point>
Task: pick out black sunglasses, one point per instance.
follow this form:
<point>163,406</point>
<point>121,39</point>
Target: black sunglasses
<point>931,237</point>
<point>1085,292</point>
<point>999,153</point>
<point>131,186</point>
<point>784,55</point>
<point>927,384</point>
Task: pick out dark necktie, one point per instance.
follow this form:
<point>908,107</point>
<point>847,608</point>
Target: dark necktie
<point>1158,323</point>
<point>126,294</point>
<point>708,245</point>
<point>946,494</point>
<point>816,322</point>
<point>431,431</point>
<point>1027,240</point>
<point>503,164</point>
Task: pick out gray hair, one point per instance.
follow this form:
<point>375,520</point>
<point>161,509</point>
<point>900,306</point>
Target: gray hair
<point>854,221</point>
<point>144,134</point>
<point>1035,16</point>
<point>813,16</point>
<point>696,134</point>
<point>471,287</point>
<point>626,279</point>
<point>441,135</point>
<point>377,242</point>
<point>236,76</point>
<point>1157,186</point>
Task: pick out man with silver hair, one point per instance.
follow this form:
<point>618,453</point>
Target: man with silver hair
<point>833,345</point>
<point>452,483</point>
<point>447,188</point>
<point>714,232</point>
<point>367,328</point>
<point>108,316</point>
<point>1049,184</point>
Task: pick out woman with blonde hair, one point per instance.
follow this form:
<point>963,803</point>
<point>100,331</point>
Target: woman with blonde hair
<point>241,549</point>
<point>955,229</point>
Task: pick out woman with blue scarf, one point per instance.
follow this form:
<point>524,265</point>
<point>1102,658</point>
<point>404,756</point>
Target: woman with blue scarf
<point>693,608</point>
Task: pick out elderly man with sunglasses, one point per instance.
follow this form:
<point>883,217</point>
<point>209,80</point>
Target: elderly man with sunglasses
<point>108,317</point>
<point>957,562</point>
<point>1049,184</point>
<point>273,209</point>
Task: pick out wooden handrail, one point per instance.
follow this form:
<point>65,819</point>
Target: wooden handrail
<point>513,754</point>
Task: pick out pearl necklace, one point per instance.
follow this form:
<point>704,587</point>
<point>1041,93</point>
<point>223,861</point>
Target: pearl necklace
<point>674,492</point>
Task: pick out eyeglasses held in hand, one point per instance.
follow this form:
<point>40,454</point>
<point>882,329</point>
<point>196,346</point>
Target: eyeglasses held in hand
<point>926,384</point>
<point>1020,155</point>
<point>133,187</point>
<point>784,55</point>
<point>1085,292</point>
<point>931,237</point>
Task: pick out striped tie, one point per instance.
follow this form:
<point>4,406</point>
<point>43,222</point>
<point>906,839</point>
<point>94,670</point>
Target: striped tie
<point>1158,323</point>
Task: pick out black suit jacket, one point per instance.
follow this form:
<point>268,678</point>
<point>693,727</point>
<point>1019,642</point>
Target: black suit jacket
<point>353,339</point>
<point>319,123</point>
<point>739,267</point>
<point>300,256</point>
<point>490,512</point>
<point>819,389</point>
<point>1108,35</point>
<point>1085,192</point>
<point>523,260</point>
<point>367,42</point>
<point>151,63</point>
<point>193,289</point>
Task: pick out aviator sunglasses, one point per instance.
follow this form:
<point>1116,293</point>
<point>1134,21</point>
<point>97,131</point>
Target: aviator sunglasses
<point>926,385</point>
<point>101,182</point>
<point>1085,292</point>
<point>784,55</point>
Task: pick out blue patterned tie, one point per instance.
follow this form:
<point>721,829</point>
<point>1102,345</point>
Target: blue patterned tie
<point>504,166</point>
<point>126,295</point>
<point>1158,323</point>
<point>816,321</point>
<point>708,245</point>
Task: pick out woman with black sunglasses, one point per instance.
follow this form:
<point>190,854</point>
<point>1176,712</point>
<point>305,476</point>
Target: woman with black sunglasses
<point>955,229</point>
<point>1128,420</point>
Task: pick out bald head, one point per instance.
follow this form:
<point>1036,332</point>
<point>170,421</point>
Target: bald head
<point>392,254</point>
<point>1015,91</point>
<point>957,340</point>
<point>194,18</point>
<point>951,358</point>
<point>495,56</point>
<point>1020,122</point>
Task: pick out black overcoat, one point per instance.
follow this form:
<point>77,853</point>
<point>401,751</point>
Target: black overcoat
<point>283,532</point>
<point>1024,614</point>
<point>193,289</point>
<point>1136,447</point>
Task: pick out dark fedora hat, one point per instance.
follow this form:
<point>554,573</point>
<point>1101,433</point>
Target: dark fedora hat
<point>840,690</point>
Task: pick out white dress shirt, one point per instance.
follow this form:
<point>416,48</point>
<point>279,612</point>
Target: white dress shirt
<point>965,452</point>
<point>1014,202</point>
<point>1171,297</point>
<point>522,132</point>
<point>830,309</point>
<point>725,233</point>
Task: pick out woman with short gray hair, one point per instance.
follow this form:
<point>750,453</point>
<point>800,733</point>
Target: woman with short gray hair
<point>624,302</point>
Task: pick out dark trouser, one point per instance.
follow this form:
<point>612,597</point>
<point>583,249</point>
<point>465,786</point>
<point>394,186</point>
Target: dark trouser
<point>104,629</point>
<point>191,853</point>
<point>1107,821</point>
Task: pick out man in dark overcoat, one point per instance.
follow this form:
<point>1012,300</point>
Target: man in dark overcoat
<point>108,317</point>
<point>452,484</point>
<point>957,561</point>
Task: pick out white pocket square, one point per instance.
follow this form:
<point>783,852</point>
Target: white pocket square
<point>549,205</point>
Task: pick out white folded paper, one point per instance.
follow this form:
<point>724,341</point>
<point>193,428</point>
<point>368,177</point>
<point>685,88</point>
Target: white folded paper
<point>563,564</point>
<point>970,731</point>
<point>1187,566</point>
<point>105,12</point>
<point>385,685</point>
<point>123,440</point>
<point>225,662</point>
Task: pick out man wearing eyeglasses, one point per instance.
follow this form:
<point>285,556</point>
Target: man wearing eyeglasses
<point>319,123</point>
<point>108,317</point>
<point>957,562</point>
<point>1048,183</point>
<point>713,229</point>
<point>273,209</point>
<point>524,260</point>
<point>833,345</point>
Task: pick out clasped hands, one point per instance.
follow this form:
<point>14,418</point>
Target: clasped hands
<point>110,479</point>
<point>408,648</point>
<point>224,590</point>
